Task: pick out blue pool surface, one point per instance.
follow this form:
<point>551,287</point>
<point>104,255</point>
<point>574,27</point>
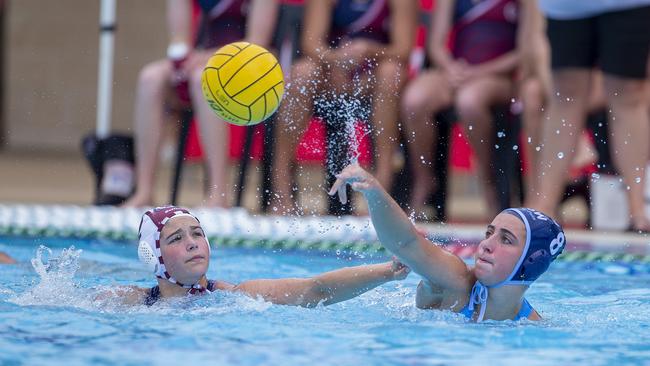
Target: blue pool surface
<point>595,314</point>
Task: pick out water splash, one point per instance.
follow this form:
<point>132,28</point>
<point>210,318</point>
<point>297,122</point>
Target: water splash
<point>58,268</point>
<point>56,286</point>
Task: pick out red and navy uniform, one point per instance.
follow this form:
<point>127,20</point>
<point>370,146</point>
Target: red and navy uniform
<point>360,19</point>
<point>484,29</point>
<point>222,22</point>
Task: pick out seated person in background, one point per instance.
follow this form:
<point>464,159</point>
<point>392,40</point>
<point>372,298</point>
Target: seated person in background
<point>519,246</point>
<point>534,88</point>
<point>534,91</point>
<point>615,36</point>
<point>175,82</point>
<point>476,75</point>
<point>369,41</point>
<point>175,248</point>
<point>6,259</point>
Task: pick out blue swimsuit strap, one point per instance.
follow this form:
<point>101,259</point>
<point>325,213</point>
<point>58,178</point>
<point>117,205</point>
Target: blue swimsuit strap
<point>524,312</point>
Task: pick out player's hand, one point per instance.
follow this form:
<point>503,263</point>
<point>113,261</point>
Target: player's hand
<point>359,179</point>
<point>399,270</point>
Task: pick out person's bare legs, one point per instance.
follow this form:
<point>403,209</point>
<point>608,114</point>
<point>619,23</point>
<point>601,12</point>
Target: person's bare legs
<point>152,88</point>
<point>562,125</point>
<point>214,141</point>
<point>423,97</point>
<point>294,114</point>
<point>474,100</point>
<point>629,132</point>
<point>390,77</point>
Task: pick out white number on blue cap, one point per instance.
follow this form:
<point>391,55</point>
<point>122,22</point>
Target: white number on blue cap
<point>557,243</point>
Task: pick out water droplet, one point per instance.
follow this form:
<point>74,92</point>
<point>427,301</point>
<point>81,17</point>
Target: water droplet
<point>515,147</point>
<point>501,134</point>
<point>637,179</point>
<point>595,176</point>
<point>496,146</point>
<point>530,139</point>
<point>560,155</point>
<point>470,127</point>
<point>537,148</point>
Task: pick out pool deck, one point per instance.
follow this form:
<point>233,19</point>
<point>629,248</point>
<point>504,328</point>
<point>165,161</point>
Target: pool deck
<point>65,179</point>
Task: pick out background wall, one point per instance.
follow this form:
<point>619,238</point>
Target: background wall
<point>50,68</point>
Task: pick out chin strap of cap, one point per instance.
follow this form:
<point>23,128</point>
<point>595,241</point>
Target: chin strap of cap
<point>478,297</point>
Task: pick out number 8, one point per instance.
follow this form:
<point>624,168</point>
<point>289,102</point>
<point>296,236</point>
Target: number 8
<point>557,244</point>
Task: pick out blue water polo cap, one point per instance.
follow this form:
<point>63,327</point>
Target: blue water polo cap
<point>544,242</point>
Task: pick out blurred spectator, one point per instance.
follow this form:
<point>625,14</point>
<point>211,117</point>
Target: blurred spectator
<point>534,92</point>
<point>615,35</point>
<point>175,83</point>
<point>474,76</point>
<point>534,87</point>
<point>369,41</point>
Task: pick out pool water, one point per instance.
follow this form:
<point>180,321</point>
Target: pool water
<point>594,314</point>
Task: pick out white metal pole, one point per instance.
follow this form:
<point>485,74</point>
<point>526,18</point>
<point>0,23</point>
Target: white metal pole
<point>105,73</point>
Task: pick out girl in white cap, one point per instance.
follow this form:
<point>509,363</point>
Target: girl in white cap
<point>174,246</point>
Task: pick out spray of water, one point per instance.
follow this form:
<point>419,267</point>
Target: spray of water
<point>56,273</point>
<point>345,108</point>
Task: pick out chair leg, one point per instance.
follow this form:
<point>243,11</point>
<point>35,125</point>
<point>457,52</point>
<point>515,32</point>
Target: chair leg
<point>597,123</point>
<point>445,120</point>
<point>186,120</point>
<point>505,157</point>
<point>337,159</point>
<point>243,164</point>
<point>267,162</point>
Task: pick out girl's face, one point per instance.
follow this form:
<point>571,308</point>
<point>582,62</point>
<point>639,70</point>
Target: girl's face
<point>184,249</point>
<point>499,252</point>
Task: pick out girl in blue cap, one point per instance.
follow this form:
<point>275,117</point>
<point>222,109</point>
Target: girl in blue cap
<point>519,246</point>
<point>173,246</point>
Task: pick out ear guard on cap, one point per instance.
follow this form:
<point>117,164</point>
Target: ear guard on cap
<point>148,257</point>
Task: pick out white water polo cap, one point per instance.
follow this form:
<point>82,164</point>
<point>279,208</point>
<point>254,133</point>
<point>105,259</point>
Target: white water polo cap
<point>151,225</point>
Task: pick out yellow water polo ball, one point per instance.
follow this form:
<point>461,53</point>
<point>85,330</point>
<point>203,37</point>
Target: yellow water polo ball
<point>243,83</point>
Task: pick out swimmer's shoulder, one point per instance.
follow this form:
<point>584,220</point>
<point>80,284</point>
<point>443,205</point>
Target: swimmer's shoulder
<point>528,311</point>
<point>127,295</point>
<point>431,296</point>
<point>222,285</point>
<point>534,315</point>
